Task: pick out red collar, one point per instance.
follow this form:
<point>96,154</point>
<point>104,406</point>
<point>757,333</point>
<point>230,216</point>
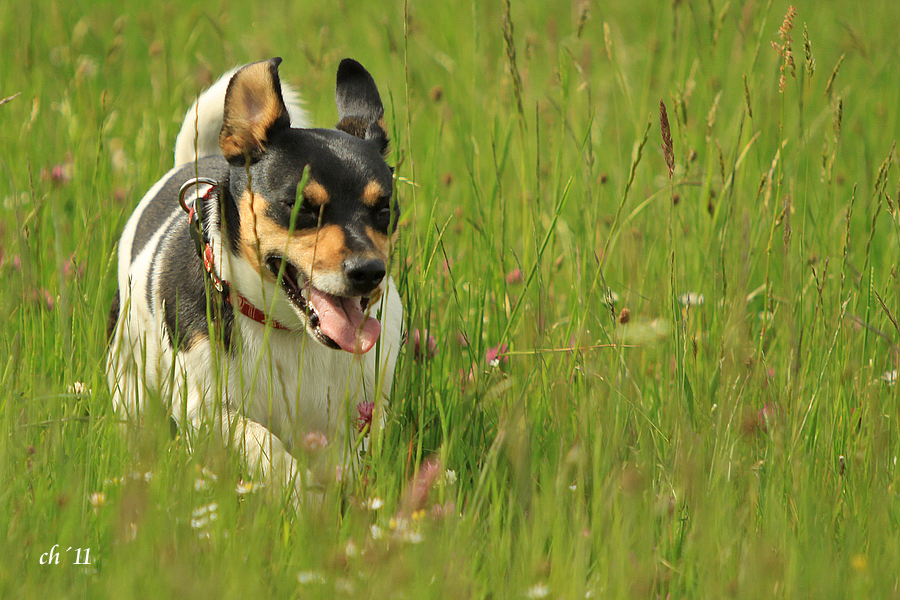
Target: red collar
<point>251,312</point>
<point>207,191</point>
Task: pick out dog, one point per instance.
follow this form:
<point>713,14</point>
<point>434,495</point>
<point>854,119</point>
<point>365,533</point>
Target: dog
<point>254,291</point>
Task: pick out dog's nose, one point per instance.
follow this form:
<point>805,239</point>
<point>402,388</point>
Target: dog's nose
<point>364,275</point>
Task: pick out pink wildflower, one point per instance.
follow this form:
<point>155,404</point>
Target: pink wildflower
<point>314,441</point>
<point>497,355</point>
<point>416,496</point>
<point>43,297</point>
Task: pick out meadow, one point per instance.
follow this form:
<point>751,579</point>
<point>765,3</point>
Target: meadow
<point>648,357</point>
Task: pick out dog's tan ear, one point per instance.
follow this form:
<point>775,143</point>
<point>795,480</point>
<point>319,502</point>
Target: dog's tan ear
<point>254,109</point>
<point>359,104</point>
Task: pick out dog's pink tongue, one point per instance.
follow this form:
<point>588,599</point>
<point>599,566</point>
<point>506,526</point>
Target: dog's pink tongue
<point>343,320</point>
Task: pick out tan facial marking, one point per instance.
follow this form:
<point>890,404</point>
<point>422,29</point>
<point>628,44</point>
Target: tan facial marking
<point>321,251</point>
<point>313,251</point>
<point>316,193</point>
<point>381,242</point>
<point>258,233</point>
<point>373,193</point>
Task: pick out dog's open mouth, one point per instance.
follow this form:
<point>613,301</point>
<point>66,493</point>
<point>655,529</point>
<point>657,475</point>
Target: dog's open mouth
<point>339,322</point>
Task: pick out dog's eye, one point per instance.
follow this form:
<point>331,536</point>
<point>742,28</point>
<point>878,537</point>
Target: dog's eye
<point>307,207</point>
<point>307,215</point>
<point>386,214</point>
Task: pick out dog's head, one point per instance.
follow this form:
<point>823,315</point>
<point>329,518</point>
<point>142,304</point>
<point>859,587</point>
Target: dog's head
<point>323,241</point>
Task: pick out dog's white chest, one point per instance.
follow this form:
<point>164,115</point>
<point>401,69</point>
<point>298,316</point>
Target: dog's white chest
<point>295,386</point>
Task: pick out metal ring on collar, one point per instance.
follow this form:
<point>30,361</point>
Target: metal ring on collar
<point>188,185</point>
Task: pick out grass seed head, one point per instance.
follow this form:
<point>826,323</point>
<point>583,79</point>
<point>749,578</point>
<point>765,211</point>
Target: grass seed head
<point>830,83</point>
<point>784,49</point>
<point>747,97</point>
<point>584,12</point>
<point>838,118</point>
<point>807,51</point>
<point>665,129</point>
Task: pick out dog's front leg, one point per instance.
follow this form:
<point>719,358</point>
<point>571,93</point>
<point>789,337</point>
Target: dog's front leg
<point>266,455</point>
<point>262,452</point>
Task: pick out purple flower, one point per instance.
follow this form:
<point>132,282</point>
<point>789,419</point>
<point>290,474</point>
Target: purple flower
<point>364,420</point>
<point>426,350</point>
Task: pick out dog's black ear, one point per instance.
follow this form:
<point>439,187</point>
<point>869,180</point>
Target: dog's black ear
<point>359,105</point>
<point>254,109</point>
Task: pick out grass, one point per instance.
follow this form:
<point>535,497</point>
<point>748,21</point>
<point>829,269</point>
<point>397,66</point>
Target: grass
<point>742,446</point>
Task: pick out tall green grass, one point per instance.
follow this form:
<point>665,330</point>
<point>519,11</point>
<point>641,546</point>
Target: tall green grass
<point>743,446</point>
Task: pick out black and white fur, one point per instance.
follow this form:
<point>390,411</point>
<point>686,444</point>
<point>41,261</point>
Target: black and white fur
<point>318,272</point>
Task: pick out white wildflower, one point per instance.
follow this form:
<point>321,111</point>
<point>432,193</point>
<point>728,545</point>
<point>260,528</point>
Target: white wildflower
<point>345,586</point>
<point>79,389</point>
<point>411,536</point>
<point>691,299</point>
<point>538,590</point>
<point>204,515</point>
<point>97,499</point>
<point>405,530</point>
<point>373,503</point>
<point>86,66</point>
<point>307,577</point>
<point>148,476</point>
<point>247,487</point>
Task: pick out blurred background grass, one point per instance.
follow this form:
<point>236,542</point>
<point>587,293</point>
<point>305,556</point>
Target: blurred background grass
<point>692,391</point>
